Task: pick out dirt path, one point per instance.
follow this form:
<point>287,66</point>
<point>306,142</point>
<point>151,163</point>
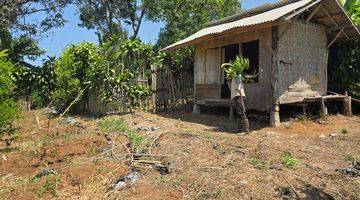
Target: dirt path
<point>206,161</point>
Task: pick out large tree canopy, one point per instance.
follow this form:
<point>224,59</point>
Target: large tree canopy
<point>108,17</point>
<point>180,16</point>
<point>184,17</point>
<point>16,14</point>
<point>23,21</point>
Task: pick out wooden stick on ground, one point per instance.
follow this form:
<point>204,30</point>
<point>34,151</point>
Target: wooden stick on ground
<point>72,103</point>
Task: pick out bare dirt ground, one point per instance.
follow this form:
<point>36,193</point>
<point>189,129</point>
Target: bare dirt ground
<point>205,159</point>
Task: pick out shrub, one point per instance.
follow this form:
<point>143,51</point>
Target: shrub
<point>79,69</point>
<point>9,110</point>
<point>288,160</point>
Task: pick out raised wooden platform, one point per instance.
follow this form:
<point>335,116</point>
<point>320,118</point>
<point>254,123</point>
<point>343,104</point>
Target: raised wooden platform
<point>321,100</point>
<point>216,103</point>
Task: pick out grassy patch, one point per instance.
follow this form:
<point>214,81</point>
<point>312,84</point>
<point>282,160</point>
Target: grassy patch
<point>113,125</point>
<point>160,179</point>
<point>344,131</point>
<point>51,185</point>
<point>288,160</point>
<point>302,118</point>
<point>136,141</point>
<point>208,136</point>
<point>258,164</point>
<point>352,158</point>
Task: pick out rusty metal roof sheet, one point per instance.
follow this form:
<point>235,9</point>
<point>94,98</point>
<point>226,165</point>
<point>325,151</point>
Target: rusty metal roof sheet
<point>265,17</point>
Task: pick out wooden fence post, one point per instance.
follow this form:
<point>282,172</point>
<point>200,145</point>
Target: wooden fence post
<point>154,87</point>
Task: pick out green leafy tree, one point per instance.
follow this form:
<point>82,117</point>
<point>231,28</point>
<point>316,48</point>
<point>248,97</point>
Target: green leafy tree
<point>80,69</point>
<point>344,58</point>
<point>183,18</point>
<point>16,14</point>
<point>9,111</point>
<point>109,17</point>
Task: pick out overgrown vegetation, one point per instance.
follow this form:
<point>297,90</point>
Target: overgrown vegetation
<point>9,111</point>
<point>344,58</point>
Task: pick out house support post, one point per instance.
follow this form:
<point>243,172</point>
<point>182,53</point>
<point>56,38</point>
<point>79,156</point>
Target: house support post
<point>347,105</point>
<point>323,109</point>
<point>196,109</point>
<point>275,107</point>
<point>275,116</point>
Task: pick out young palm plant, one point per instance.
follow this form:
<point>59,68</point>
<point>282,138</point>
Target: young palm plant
<point>235,67</point>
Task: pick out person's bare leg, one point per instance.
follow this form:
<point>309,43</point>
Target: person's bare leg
<point>244,125</point>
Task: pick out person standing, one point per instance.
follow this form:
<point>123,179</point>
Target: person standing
<point>238,96</point>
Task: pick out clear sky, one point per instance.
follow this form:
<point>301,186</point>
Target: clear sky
<point>71,33</point>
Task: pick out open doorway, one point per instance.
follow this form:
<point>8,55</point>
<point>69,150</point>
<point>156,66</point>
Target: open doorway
<point>231,51</point>
<point>251,51</point>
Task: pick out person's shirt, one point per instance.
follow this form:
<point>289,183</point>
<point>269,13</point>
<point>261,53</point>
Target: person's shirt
<point>237,87</point>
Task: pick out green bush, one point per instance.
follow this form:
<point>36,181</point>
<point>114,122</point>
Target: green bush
<point>9,110</point>
<point>79,69</point>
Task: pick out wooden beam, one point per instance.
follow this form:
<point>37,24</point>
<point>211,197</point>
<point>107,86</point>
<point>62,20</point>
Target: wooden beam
<point>346,35</point>
<point>313,12</point>
<point>340,27</point>
<point>286,30</point>
<point>302,10</point>
<point>330,17</point>
<point>326,17</point>
<point>335,38</point>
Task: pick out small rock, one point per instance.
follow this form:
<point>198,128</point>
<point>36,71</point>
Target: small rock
<point>163,169</point>
<point>276,167</point>
<point>287,193</point>
<point>243,182</point>
<point>68,121</point>
<point>353,170</point>
<point>52,112</point>
<point>287,125</point>
<point>126,181</point>
<point>332,136</point>
<point>45,172</point>
<point>322,136</point>
<point>149,128</point>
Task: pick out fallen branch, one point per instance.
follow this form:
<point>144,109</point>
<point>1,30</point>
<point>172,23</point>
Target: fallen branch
<point>72,103</point>
<point>291,187</point>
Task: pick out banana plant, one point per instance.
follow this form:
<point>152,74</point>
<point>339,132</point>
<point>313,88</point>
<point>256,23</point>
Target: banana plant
<point>236,67</point>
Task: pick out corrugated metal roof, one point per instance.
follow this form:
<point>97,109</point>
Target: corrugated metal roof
<point>253,11</point>
<point>261,18</point>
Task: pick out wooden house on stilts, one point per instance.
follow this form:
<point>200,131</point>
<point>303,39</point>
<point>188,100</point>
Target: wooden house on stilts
<point>288,42</point>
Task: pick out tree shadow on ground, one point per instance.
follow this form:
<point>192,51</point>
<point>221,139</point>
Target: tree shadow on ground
<point>307,192</point>
<point>313,193</point>
<point>218,119</point>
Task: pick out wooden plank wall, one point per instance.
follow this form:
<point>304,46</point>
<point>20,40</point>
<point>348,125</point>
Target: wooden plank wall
<point>258,94</point>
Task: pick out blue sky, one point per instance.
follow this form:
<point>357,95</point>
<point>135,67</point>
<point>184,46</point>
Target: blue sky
<point>71,33</point>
